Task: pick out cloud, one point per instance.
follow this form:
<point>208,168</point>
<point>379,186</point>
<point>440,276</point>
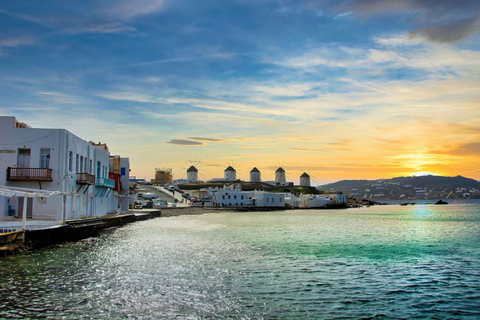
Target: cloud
<point>450,33</point>
<point>305,149</point>
<point>437,21</point>
<point>467,149</point>
<point>398,40</point>
<point>214,164</point>
<point>127,9</point>
<point>93,17</point>
<point>58,97</point>
<point>367,8</point>
<point>12,42</point>
<point>376,61</point>
<point>186,142</point>
<point>206,139</point>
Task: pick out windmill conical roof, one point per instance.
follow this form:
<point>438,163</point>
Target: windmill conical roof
<point>280,169</point>
<point>305,175</point>
<point>230,169</point>
<point>192,169</point>
<point>255,170</point>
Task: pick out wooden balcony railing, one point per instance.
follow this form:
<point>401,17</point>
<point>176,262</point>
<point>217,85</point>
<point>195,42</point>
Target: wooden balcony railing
<point>29,174</point>
<point>85,178</point>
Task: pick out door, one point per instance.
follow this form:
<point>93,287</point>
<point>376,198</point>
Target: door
<point>23,162</point>
<point>29,208</point>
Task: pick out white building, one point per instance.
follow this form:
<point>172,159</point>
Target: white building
<point>232,196</point>
<point>314,200</point>
<point>267,199</point>
<point>55,160</point>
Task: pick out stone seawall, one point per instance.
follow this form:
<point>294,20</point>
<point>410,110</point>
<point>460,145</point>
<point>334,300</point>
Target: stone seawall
<point>72,230</point>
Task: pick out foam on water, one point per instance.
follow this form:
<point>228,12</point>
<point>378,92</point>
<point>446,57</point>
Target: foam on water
<point>379,262</point>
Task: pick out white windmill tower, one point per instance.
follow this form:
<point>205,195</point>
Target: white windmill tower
<point>255,175</point>
<point>280,176</point>
<point>306,178</point>
<point>192,174</point>
<point>230,174</point>
<point>192,171</point>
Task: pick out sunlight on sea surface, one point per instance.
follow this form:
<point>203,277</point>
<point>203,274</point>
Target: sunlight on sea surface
<point>407,262</point>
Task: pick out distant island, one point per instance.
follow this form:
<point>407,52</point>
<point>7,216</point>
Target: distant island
<point>412,188</point>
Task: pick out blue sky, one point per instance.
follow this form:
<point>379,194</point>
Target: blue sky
<point>348,89</point>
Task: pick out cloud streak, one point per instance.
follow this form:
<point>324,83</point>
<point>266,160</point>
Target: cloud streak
<point>181,142</point>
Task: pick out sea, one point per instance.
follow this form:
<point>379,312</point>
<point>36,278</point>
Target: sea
<point>381,262</point>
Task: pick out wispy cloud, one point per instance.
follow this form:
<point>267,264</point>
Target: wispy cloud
<point>108,16</point>
<point>225,55</point>
<point>186,142</point>
<point>12,42</point>
<point>207,139</point>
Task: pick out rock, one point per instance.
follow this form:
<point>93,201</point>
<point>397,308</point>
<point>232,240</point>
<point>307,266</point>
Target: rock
<point>441,202</point>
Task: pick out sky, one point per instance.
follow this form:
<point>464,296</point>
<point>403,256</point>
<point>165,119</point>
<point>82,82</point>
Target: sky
<point>345,89</point>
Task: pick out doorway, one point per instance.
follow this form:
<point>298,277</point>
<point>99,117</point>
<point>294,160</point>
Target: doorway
<point>23,161</point>
<point>29,208</point>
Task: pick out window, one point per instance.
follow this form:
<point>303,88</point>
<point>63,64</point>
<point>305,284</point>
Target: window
<point>235,197</point>
<point>99,169</point>
<point>44,158</point>
<point>77,167</point>
<point>123,171</point>
<point>223,197</point>
<point>85,165</point>
<point>91,166</point>
<point>70,161</point>
<point>228,197</point>
<point>81,164</point>
<point>241,197</point>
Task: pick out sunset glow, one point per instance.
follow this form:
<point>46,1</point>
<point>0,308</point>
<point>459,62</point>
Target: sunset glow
<point>349,89</point>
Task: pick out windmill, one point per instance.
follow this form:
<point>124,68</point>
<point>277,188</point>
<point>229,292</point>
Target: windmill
<point>281,174</point>
<point>255,175</point>
<point>306,177</point>
<point>192,170</point>
<point>230,173</point>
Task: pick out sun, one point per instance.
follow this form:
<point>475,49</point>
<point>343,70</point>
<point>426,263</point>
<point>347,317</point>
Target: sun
<point>423,173</point>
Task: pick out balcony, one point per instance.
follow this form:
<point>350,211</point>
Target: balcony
<point>29,174</point>
<point>104,182</point>
<point>85,178</point>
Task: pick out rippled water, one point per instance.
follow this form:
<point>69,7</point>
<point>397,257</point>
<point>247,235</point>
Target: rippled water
<point>396,262</point>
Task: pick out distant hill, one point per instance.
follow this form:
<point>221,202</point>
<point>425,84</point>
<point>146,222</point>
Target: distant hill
<point>422,187</point>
